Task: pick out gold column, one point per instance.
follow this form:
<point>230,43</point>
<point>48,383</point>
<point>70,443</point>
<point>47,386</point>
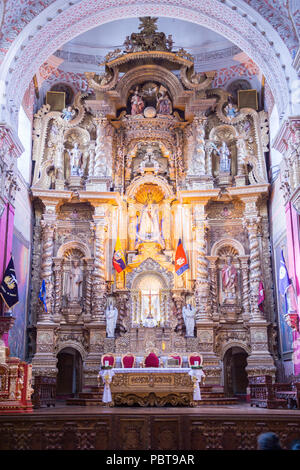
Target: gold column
<point>202,273</point>
<point>99,284</point>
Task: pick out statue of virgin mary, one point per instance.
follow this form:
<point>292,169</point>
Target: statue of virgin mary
<point>148,229</point>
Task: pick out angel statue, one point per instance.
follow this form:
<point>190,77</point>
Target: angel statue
<point>231,111</point>
<point>68,113</point>
<point>188,314</point>
<point>111,315</point>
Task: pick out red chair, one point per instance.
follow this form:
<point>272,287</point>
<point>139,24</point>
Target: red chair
<point>176,356</point>
<point>151,360</point>
<point>128,361</point>
<point>195,357</point>
<point>110,358</point>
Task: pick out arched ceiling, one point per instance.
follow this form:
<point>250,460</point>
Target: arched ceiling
<point>33,30</point>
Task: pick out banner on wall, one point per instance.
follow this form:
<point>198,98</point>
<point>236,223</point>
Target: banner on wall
<point>9,286</point>
<point>181,262</point>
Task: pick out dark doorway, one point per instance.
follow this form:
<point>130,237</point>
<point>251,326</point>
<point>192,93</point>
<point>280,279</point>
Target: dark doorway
<point>69,377</point>
<point>235,375</point>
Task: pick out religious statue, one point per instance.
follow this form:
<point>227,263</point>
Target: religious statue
<point>75,280</point>
<point>149,161</point>
<point>229,280</point>
<point>224,154</point>
<point>148,229</point>
<point>68,113</point>
<point>231,111</point>
<point>163,103</point>
<point>111,314</point>
<point>76,161</point>
<point>188,314</point>
<point>137,103</point>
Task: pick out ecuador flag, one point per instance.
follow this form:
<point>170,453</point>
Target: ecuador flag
<point>118,260</point>
<point>181,262</point>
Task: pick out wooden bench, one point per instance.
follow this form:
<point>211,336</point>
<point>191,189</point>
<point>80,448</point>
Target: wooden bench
<point>262,393</point>
<point>44,391</point>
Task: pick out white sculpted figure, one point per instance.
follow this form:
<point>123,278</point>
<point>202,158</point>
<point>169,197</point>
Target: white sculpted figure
<point>149,228</point>
<point>76,160</point>
<point>224,154</point>
<point>111,315</point>
<point>188,314</point>
<point>74,286</point>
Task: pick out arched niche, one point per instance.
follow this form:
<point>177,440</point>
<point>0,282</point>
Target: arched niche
<point>70,369</point>
<point>153,73</point>
<point>72,268</point>
<point>150,291</point>
<point>228,272</point>
<point>234,366</point>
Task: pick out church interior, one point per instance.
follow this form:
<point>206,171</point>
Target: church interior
<point>149,224</point>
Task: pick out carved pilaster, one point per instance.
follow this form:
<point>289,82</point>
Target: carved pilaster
<point>200,122</point>
<point>100,161</point>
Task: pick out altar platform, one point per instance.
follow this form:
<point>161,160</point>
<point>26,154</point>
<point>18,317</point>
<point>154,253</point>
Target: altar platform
<point>232,427</point>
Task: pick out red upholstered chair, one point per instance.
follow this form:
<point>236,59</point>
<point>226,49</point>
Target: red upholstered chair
<point>193,357</point>
<point>108,357</point>
<point>152,360</point>
<point>128,360</point>
<point>176,356</point>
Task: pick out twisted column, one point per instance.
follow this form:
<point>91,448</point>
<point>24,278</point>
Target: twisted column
<point>213,283</point>
<point>255,274</point>
<point>99,284</point>
<point>202,272</point>
<point>89,285</point>
<point>241,155</point>
<point>46,267</point>
<point>58,272</point>
<point>100,169</point>
<point>245,284</point>
<point>92,153</point>
<point>200,144</point>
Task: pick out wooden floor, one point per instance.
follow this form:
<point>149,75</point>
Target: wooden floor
<point>232,427</point>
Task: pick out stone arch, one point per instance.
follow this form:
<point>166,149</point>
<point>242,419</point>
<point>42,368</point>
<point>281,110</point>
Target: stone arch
<point>242,26</point>
<point>74,345</point>
<point>74,245</point>
<point>155,73</point>
<point>227,242</point>
<point>235,344</point>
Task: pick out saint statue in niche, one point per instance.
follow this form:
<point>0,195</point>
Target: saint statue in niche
<point>229,281</point>
<point>76,160</point>
<point>148,229</point>
<point>74,282</point>
<point>224,154</point>
<point>137,103</point>
<point>163,104</point>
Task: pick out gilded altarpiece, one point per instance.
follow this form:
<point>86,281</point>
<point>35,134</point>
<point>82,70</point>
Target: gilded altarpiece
<point>154,155</point>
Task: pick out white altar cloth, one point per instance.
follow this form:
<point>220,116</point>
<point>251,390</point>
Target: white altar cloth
<point>196,375</point>
<point>107,375</point>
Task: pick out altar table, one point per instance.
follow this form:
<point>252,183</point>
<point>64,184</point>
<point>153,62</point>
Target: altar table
<point>153,386</point>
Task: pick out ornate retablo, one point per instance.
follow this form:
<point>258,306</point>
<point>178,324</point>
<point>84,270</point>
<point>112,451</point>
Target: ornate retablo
<point>152,157</point>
